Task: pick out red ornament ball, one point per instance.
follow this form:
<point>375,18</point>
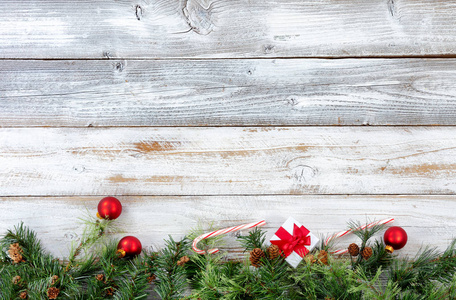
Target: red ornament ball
<point>129,246</point>
<point>395,237</point>
<point>109,208</point>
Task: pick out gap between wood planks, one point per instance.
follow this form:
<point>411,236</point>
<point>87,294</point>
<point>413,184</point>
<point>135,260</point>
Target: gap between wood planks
<point>423,56</point>
<point>227,195</point>
<point>229,126</point>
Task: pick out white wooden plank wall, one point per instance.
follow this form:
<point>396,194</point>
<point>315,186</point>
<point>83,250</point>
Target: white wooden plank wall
<point>228,161</point>
<point>200,111</point>
<point>228,92</point>
<point>225,29</point>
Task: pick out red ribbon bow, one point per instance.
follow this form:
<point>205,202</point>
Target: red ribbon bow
<point>296,242</point>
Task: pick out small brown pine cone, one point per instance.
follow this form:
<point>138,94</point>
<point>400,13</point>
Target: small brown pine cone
<point>273,251</point>
<point>16,258</point>
<point>310,259</point>
<point>15,248</point>
<point>110,291</point>
<point>367,252</point>
<point>99,277</point>
<point>353,249</point>
<point>16,279</point>
<point>255,257</point>
<point>15,253</point>
<point>183,260</point>
<point>151,278</point>
<point>54,279</point>
<point>323,257</point>
<point>53,293</point>
<point>23,295</point>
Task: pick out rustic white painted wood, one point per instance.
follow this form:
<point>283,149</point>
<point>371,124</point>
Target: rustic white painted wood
<point>235,28</point>
<point>427,219</point>
<point>195,63</point>
<point>228,160</point>
<point>228,92</point>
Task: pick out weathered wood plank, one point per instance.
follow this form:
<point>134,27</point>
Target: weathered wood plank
<point>227,160</point>
<point>237,28</point>
<point>228,92</point>
<point>427,219</point>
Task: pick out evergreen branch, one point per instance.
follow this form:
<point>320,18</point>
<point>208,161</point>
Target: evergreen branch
<point>445,266</point>
<point>134,284</point>
<point>380,259</point>
<point>171,278</point>
<point>364,234</point>
<point>271,284</point>
<point>26,238</point>
<point>93,232</point>
<point>322,243</point>
<point>7,289</point>
<point>208,281</point>
<point>372,287</point>
<point>101,274</point>
<point>255,239</point>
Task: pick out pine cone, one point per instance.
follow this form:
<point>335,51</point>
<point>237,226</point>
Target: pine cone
<point>54,279</point>
<point>16,279</point>
<point>255,257</point>
<point>310,259</point>
<point>323,257</point>
<point>151,278</point>
<point>110,291</point>
<point>367,252</point>
<point>183,260</point>
<point>53,292</point>
<point>15,247</point>
<point>273,251</point>
<point>23,295</point>
<point>15,253</point>
<point>353,249</point>
<point>99,277</point>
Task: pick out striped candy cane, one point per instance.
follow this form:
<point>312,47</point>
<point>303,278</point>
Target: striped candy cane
<point>342,233</point>
<point>219,232</point>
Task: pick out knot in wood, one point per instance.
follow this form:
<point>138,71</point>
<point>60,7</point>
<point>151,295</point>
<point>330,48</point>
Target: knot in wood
<point>303,173</point>
<point>198,14</point>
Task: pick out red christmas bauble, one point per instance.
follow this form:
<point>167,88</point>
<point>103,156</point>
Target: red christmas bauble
<point>129,246</point>
<point>395,237</point>
<point>109,208</point>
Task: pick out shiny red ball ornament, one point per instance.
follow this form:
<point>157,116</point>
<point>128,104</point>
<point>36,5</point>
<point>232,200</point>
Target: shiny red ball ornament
<point>395,237</point>
<point>109,208</point>
<point>129,246</point>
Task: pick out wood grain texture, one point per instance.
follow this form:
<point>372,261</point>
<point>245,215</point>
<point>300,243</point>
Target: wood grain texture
<point>427,219</point>
<point>228,92</point>
<point>230,161</point>
<point>237,28</point>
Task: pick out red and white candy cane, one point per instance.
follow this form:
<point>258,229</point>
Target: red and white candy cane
<point>342,233</point>
<point>219,232</point>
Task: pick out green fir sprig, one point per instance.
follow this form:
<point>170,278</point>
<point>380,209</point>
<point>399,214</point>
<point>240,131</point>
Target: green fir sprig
<point>255,239</point>
<point>97,272</point>
<point>171,277</point>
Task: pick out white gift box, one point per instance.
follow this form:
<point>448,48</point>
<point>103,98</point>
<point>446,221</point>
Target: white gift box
<point>294,258</point>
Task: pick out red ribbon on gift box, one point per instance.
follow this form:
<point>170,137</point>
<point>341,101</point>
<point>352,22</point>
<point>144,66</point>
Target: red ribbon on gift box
<point>293,242</point>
